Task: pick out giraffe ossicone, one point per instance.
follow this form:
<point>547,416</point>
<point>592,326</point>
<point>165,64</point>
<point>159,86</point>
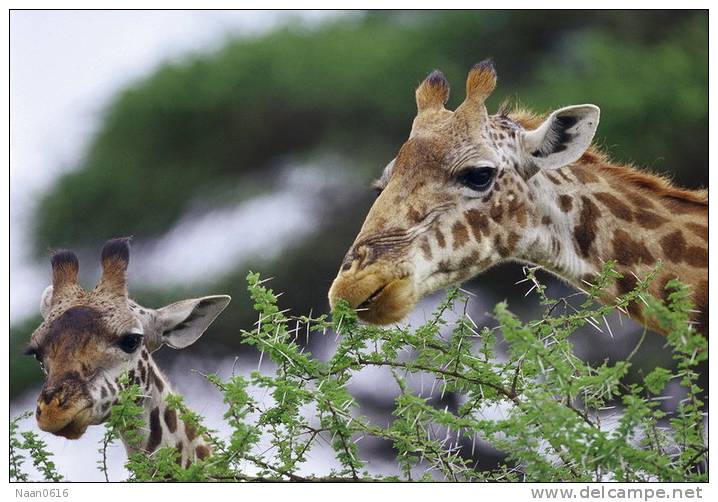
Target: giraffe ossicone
<point>469,190</point>
<point>89,338</point>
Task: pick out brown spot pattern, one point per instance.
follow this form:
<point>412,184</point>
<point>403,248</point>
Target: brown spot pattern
<point>444,266</point>
<point>202,452</point>
<point>700,230</point>
<point>615,205</point>
<point>630,252</point>
<point>697,257</point>
<point>143,372</point>
<point>171,419</point>
<point>425,249</point>
<point>649,219</point>
<point>673,245</point>
<point>585,230</point>
<point>155,430</point>
<point>517,209</point>
<point>440,238</point>
<point>414,215</point>
<point>468,261</point>
<point>478,222</point>
<point>626,284</point>
<point>460,234</point>
<point>155,378</point>
<point>682,206</point>
<point>496,212</point>
<point>675,249</point>
<point>190,431</point>
<point>506,249</point>
<point>565,202</point>
<point>553,178</point>
<point>637,199</point>
<point>561,173</point>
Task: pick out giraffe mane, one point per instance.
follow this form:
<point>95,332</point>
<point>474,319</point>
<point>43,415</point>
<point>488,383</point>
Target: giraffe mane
<point>655,183</point>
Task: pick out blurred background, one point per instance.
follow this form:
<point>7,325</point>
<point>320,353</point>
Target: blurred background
<point>232,141</point>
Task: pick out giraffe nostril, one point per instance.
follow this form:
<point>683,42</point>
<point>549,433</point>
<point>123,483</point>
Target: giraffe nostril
<point>356,254</point>
<point>38,411</point>
<point>360,255</point>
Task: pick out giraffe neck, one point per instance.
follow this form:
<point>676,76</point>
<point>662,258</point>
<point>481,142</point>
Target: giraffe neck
<point>166,428</point>
<point>589,213</point>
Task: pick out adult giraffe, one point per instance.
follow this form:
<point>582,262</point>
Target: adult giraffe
<point>469,190</point>
<point>88,339</point>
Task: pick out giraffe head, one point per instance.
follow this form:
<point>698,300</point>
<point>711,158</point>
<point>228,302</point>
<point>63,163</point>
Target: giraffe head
<point>89,338</point>
<point>456,199</point>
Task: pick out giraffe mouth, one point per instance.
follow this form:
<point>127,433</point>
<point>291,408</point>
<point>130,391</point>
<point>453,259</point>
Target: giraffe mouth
<point>389,303</point>
<point>366,304</point>
<point>73,430</point>
<point>380,295</point>
<point>77,426</point>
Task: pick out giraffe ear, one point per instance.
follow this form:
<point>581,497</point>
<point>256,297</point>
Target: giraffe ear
<point>182,323</point>
<point>562,138</point>
<point>380,184</point>
<point>46,302</point>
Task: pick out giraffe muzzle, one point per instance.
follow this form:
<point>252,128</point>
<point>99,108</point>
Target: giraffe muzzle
<point>379,295</point>
<point>68,422</point>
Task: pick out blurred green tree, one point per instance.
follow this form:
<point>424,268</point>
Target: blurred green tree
<point>210,120</point>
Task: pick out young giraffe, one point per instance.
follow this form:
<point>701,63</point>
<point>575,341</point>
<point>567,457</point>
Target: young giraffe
<point>88,339</point>
<point>469,190</point>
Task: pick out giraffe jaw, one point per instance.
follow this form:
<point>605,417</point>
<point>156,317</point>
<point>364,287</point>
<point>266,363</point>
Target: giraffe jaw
<point>73,430</point>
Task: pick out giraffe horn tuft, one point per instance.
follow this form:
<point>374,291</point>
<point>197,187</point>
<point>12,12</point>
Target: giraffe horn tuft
<point>115,260</point>
<point>433,92</point>
<point>481,81</point>
<point>65,269</point>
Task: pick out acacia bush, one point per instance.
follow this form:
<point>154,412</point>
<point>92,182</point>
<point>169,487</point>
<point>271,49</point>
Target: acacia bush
<point>555,426</point>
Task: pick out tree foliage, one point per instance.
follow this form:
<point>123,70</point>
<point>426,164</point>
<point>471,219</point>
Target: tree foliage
<point>563,419</point>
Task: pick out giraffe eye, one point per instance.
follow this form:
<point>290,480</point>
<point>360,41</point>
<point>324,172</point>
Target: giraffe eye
<point>477,178</point>
<point>130,342</point>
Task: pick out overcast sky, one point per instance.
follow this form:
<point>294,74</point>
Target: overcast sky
<point>64,68</point>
